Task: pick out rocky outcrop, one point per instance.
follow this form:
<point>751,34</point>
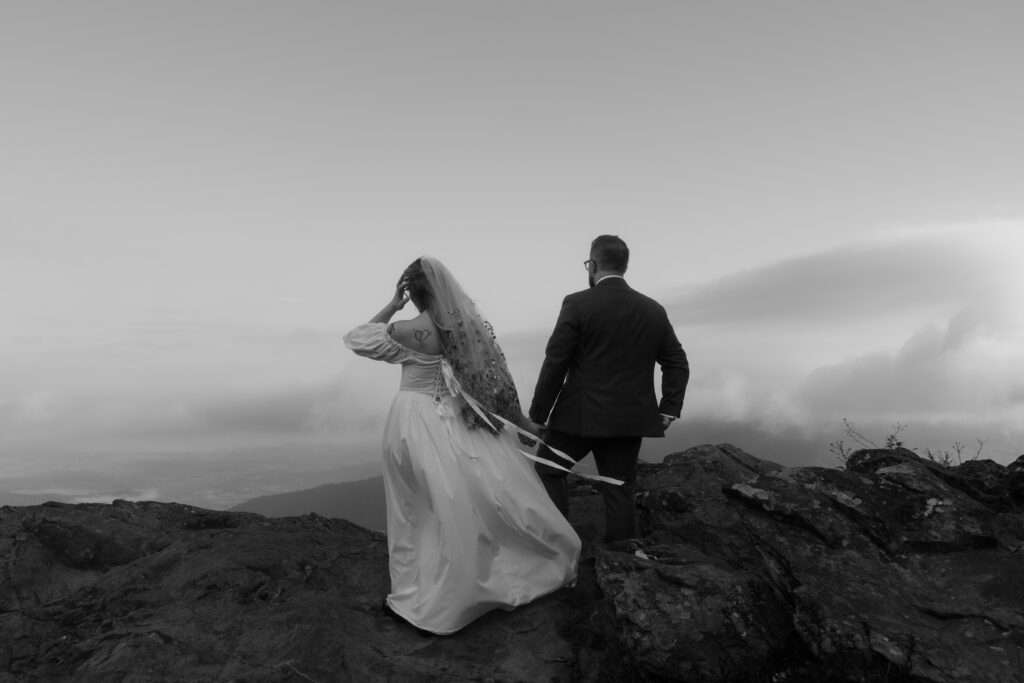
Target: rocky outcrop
<point>164,592</point>
<point>886,572</point>
<point>893,570</point>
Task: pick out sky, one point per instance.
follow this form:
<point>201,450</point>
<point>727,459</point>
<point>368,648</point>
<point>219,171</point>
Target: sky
<point>197,200</point>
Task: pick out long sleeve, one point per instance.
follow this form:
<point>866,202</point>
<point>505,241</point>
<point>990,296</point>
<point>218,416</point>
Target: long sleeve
<point>557,356</point>
<point>373,341</point>
<point>675,373</point>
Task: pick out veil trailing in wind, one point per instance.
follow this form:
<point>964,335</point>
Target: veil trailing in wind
<point>470,348</point>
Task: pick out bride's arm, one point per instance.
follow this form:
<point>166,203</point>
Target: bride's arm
<point>396,304</point>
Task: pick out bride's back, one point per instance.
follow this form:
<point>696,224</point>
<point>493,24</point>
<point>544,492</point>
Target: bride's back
<point>418,334</point>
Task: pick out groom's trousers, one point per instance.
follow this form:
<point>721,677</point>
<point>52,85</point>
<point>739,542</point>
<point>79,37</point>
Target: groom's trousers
<point>615,457</point>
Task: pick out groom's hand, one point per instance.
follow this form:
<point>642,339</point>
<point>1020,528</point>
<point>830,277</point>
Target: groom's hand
<point>532,427</point>
<point>539,430</point>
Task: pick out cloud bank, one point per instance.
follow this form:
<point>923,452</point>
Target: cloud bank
<point>921,327</point>
<point>918,327</point>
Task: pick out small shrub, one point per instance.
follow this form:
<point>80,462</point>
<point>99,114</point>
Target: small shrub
<point>946,457</point>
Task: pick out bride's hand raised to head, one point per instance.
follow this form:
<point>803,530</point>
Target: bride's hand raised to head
<point>401,296</point>
<point>396,304</point>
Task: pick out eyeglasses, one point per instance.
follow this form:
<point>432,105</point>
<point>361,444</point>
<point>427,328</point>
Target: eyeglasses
<point>586,264</point>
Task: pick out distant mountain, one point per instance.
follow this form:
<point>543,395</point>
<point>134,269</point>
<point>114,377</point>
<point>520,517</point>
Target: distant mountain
<point>360,502</point>
<point>19,499</point>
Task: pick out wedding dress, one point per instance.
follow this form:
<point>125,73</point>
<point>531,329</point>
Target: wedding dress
<point>470,526</point>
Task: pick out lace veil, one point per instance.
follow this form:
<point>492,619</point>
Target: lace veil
<point>468,344</point>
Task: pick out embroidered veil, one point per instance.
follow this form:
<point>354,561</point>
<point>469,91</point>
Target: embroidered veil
<point>468,342</point>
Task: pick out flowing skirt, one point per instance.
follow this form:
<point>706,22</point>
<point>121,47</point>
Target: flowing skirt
<point>470,526</point>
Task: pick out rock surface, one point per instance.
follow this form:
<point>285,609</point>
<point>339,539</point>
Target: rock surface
<point>893,570</point>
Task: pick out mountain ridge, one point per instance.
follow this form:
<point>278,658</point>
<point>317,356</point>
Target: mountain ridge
<point>360,502</point>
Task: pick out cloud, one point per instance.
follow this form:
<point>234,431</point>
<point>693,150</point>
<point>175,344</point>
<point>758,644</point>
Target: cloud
<point>919,327</point>
<point>906,272</point>
<point>34,408</point>
<point>201,332</point>
<point>967,368</point>
<point>352,405</point>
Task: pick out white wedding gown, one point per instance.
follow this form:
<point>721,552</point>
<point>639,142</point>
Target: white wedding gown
<point>470,526</point>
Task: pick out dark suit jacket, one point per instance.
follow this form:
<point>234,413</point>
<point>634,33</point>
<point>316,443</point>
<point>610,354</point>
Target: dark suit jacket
<point>598,372</point>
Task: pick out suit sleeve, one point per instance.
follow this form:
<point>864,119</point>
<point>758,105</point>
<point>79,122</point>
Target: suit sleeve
<point>557,356</point>
<point>675,372</point>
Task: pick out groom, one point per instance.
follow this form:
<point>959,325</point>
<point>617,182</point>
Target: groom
<point>596,393</point>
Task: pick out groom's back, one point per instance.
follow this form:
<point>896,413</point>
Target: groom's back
<point>620,334</point>
<point>609,388</point>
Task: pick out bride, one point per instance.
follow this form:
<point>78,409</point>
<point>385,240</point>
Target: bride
<point>470,526</point>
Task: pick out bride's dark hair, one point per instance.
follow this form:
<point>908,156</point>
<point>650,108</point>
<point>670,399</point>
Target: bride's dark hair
<point>415,282</point>
<point>468,342</point>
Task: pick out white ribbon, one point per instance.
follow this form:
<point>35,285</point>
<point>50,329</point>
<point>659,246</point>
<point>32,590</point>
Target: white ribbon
<point>453,385</point>
<point>592,477</point>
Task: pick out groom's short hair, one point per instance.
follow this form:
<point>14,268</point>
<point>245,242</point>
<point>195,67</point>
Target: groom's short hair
<point>610,252</point>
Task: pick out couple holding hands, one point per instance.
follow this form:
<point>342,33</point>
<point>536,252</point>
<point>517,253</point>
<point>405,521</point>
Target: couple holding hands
<point>474,522</point>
